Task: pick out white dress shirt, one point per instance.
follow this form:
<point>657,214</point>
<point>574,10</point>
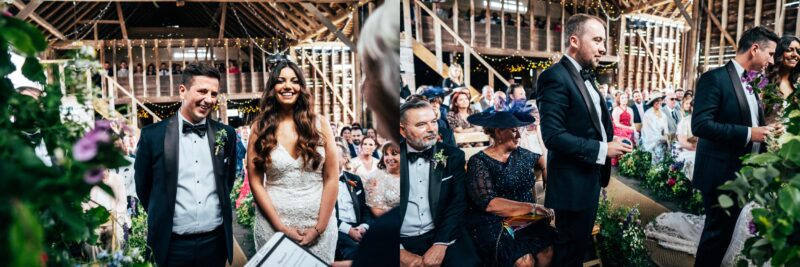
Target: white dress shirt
<point>751,102</point>
<point>603,151</point>
<point>197,207</point>
<point>347,212</point>
<point>418,219</point>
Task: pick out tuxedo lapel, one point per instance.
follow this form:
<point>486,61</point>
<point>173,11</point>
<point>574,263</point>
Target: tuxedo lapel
<point>354,196</point>
<point>215,157</point>
<point>404,184</point>
<point>434,183</point>
<point>171,147</point>
<point>744,108</point>
<point>576,77</point>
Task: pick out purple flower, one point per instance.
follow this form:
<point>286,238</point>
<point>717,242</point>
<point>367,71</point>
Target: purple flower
<point>751,227</point>
<point>763,82</point>
<point>94,176</point>
<point>102,125</point>
<point>86,148</point>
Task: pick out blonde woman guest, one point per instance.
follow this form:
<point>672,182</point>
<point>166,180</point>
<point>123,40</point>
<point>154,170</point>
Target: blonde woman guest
<point>455,80</point>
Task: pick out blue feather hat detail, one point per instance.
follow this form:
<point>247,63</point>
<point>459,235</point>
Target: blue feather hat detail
<point>504,115</point>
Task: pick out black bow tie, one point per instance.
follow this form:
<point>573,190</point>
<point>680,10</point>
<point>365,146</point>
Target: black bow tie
<point>426,154</point>
<point>199,129</point>
<point>588,74</point>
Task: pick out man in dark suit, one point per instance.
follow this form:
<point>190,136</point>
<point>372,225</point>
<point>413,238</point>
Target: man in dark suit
<point>184,170</point>
<point>576,128</point>
<point>352,214</point>
<point>432,197</point>
<point>729,122</point>
<point>637,106</point>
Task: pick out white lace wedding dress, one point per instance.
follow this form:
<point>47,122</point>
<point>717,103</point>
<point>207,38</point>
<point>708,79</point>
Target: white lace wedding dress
<point>296,193</point>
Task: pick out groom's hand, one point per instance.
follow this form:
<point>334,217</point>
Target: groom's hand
<point>617,147</point>
<point>434,256</point>
<point>408,259</point>
<point>759,134</point>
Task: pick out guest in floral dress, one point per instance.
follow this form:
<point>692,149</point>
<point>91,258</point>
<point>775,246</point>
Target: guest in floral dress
<point>383,186</point>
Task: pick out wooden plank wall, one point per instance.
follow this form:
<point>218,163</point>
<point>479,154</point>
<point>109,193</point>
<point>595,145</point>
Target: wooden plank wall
<point>329,73</point>
<point>658,69</point>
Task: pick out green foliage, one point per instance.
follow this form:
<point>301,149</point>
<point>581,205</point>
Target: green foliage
<point>40,206</point>
<point>667,181</point>
<point>621,238</point>
<point>635,164</point>
<point>772,181</point>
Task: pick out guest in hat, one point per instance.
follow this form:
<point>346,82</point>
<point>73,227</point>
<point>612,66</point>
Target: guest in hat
<point>435,95</point>
<point>499,186</point>
<point>655,127</point>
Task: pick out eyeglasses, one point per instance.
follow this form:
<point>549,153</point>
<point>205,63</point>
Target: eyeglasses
<point>673,99</point>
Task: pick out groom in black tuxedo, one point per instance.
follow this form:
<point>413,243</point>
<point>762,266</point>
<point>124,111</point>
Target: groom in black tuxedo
<point>577,132</point>
<point>729,121</point>
<point>432,197</point>
<point>185,167</point>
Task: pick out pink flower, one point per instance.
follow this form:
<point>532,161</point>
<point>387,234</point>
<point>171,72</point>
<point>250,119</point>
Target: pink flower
<point>86,148</point>
<point>94,176</point>
<point>671,182</point>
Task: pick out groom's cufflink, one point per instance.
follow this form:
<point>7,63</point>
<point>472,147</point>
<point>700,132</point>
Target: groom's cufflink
<point>447,178</point>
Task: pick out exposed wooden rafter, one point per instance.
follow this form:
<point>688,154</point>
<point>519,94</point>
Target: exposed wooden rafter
<point>331,27</point>
<point>645,5</point>
<point>28,10</point>
<point>39,20</point>
<point>222,20</point>
<point>122,21</point>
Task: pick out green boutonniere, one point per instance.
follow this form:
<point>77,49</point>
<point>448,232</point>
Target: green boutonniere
<point>220,142</point>
<point>439,158</point>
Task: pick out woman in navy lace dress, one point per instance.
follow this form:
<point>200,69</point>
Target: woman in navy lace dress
<point>500,183</point>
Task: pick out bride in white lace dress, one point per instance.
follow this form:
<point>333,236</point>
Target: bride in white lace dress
<point>294,184</point>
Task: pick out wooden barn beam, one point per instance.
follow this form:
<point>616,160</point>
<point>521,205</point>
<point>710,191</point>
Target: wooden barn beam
<point>101,21</point>
<point>719,26</point>
<point>685,14</point>
<point>329,24</point>
<point>36,18</point>
<point>222,20</point>
<point>214,1</point>
<point>645,5</point>
<point>28,10</point>
<point>321,29</point>
<point>122,21</point>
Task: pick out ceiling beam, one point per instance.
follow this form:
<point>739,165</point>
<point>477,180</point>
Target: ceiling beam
<point>719,27</point>
<point>25,12</point>
<point>212,1</point>
<point>685,14</point>
<point>100,21</point>
<point>290,15</point>
<point>35,18</point>
<point>122,21</point>
<point>645,5</point>
<point>288,25</point>
<point>222,23</point>
<point>330,25</point>
<point>338,19</point>
<point>276,25</point>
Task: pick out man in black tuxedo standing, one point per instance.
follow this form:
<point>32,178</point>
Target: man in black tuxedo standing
<point>352,213</point>
<point>576,127</point>
<point>729,121</point>
<point>185,167</point>
<point>432,197</point>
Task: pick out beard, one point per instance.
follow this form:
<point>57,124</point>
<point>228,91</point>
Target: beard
<point>421,143</point>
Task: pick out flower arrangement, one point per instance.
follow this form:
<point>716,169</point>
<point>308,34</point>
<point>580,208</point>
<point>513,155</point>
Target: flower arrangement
<point>758,83</point>
<point>621,238</point>
<point>772,181</point>
<point>635,164</point>
<point>245,210</point>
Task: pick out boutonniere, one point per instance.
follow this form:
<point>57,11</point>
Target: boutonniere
<point>220,142</point>
<point>439,158</point>
<point>351,183</point>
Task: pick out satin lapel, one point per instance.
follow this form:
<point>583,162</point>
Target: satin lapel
<point>576,78</point>
<point>434,183</point>
<point>404,184</point>
<point>761,120</point>
<point>171,149</point>
<point>740,97</point>
<point>212,137</point>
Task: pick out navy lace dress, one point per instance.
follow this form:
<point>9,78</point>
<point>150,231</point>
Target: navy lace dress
<point>513,180</point>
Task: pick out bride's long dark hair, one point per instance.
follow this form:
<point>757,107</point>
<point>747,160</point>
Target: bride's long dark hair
<point>773,73</point>
<point>308,136</point>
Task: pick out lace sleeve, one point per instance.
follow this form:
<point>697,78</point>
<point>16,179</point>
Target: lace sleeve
<point>480,185</point>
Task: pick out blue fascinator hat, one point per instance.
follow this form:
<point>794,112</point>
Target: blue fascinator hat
<point>512,115</point>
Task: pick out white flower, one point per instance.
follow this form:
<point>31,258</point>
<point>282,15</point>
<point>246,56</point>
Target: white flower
<point>88,51</point>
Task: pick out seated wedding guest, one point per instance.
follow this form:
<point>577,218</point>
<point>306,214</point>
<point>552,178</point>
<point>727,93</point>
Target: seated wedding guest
<point>151,69</point>
<point>622,118</point>
<point>355,139</point>
<point>163,70</point>
<point>138,69</point>
<point>499,186</point>
<point>459,111</point>
<point>687,142</point>
<point>365,163</point>
<point>372,133</point>
<point>352,214</point>
<point>445,134</point>
<point>500,99</point>
<point>454,80</point>
<point>232,67</point>
<point>435,97</point>
<point>487,97</point>
<point>123,69</point>
<point>347,138</point>
<point>672,110</point>
<point>638,110</point>
<point>516,92</point>
<point>432,194</point>
<point>383,185</point>
<point>655,128</point>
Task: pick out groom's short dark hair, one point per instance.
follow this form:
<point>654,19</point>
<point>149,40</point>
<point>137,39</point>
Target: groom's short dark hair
<point>757,35</point>
<point>198,69</point>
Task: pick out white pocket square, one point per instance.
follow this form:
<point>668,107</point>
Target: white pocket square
<point>447,178</point>
<point>358,192</point>
<point>225,160</point>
